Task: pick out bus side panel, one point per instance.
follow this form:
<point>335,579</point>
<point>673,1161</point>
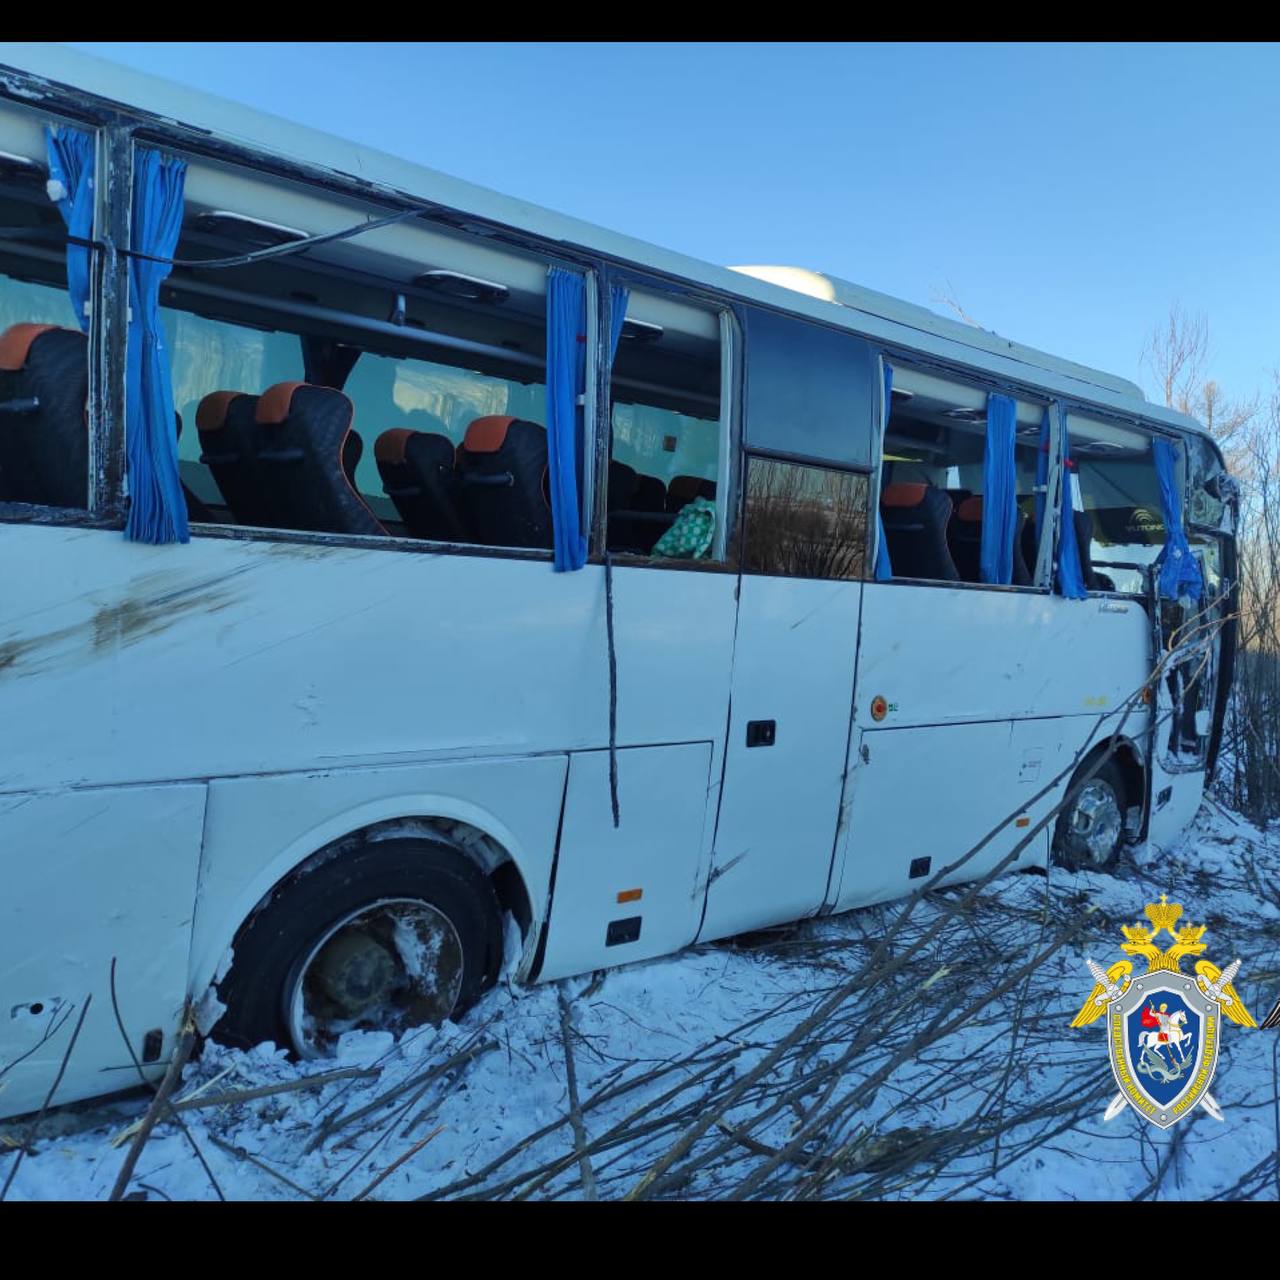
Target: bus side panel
<point>921,799</point>
<point>229,657</point>
<point>629,892</point>
<point>90,876</point>
<point>946,655</point>
<point>259,829</point>
<point>987,696</point>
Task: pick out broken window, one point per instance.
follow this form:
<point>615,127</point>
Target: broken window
<point>390,383</point>
<point>44,368</point>
<point>1116,500</point>
<point>932,479</point>
<point>663,491</point>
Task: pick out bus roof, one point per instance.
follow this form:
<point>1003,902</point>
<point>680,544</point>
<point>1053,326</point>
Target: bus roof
<point>798,290</point>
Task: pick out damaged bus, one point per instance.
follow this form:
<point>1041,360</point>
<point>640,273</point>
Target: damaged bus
<point>397,577</point>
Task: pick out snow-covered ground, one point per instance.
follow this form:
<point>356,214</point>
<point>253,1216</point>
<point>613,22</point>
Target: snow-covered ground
<point>777,1066</point>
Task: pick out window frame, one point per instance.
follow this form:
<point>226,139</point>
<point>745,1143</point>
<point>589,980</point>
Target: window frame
<point>728,472</point>
<point>112,136</point>
<point>965,376</point>
<point>1082,409</point>
<point>546,254</point>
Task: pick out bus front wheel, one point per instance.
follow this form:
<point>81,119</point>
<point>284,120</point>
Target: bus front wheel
<point>1091,828</point>
<point>395,934</point>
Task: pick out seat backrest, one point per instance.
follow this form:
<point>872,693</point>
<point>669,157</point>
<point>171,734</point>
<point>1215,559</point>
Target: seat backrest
<point>637,516</point>
<point>44,431</point>
<point>964,540</point>
<point>418,475</point>
<point>1093,580</point>
<point>915,520</point>
<point>302,438</point>
<point>622,486</point>
<point>683,489</point>
<point>228,447</point>
<point>502,476</point>
<point>651,494</point>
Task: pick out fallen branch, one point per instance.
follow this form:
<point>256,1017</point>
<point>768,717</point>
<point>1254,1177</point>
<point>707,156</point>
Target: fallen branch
<point>186,1042</point>
<point>575,1108</point>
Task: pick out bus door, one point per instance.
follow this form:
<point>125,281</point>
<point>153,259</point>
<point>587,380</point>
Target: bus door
<point>809,410</point>
<point>792,691</point>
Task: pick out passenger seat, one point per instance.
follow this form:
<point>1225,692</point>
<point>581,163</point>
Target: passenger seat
<point>306,454</point>
<point>1093,580</point>
<point>651,494</point>
<point>964,539</point>
<point>683,489</point>
<point>915,520</point>
<point>225,423</point>
<point>44,433</point>
<point>418,475</point>
<point>502,476</point>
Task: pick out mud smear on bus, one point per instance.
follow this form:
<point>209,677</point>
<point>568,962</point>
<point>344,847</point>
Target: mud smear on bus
<point>144,613</point>
<point>307,550</point>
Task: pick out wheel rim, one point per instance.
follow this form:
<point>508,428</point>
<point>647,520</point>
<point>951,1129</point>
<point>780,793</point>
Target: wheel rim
<point>1096,822</point>
<point>387,966</point>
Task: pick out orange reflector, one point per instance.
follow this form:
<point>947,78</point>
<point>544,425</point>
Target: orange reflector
<point>630,895</point>
<point>879,708</point>
<point>1022,822</point>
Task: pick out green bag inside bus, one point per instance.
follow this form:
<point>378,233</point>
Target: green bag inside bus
<point>692,533</point>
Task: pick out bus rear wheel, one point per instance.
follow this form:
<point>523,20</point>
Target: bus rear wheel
<point>396,934</point>
<point>1091,828</point>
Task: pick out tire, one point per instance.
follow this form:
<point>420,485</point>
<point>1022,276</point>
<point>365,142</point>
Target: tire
<point>363,922</point>
<point>1091,830</point>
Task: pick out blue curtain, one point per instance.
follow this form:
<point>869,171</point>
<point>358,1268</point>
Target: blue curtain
<point>1070,575</point>
<point>884,569</point>
<point>1179,574</point>
<point>999,491</point>
<point>157,507</point>
<point>566,382</point>
<point>71,158</point>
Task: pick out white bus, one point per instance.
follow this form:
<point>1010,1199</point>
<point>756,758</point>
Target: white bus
<point>390,570</point>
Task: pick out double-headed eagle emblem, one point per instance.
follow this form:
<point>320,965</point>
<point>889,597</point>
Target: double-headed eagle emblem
<point>1162,1033</point>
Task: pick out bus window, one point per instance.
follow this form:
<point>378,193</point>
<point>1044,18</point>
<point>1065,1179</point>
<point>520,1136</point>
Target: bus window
<point>44,369</point>
<point>390,383</point>
<point>665,453</point>
<point>931,494</point>
<point>804,521</point>
<point>1116,504</point>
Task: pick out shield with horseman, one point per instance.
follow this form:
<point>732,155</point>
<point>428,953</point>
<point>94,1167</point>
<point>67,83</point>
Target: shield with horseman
<point>1162,1037</point>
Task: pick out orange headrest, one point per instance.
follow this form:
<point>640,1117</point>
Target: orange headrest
<point>211,412</point>
<point>485,435</point>
<point>970,509</point>
<point>902,495</point>
<point>274,403</point>
<point>15,343</point>
<point>390,446</point>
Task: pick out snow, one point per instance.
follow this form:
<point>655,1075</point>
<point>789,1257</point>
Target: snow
<point>951,1073</point>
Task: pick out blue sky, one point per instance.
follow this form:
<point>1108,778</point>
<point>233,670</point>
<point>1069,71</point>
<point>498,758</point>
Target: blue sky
<point>1067,194</point>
